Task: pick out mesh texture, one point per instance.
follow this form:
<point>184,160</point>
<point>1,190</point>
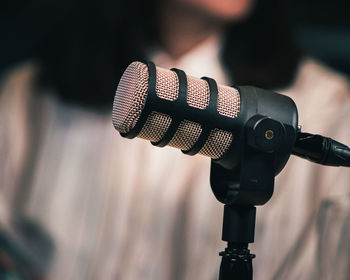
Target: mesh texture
<point>130,97</point>
<point>228,101</point>
<point>155,126</point>
<point>217,143</point>
<point>186,135</point>
<point>197,93</point>
<point>167,86</point>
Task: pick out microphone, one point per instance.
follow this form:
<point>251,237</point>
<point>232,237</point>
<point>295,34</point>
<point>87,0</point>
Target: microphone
<point>168,107</point>
<point>196,115</point>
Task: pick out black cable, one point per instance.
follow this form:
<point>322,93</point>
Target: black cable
<point>321,150</point>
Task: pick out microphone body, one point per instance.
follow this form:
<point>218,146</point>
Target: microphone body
<point>195,115</point>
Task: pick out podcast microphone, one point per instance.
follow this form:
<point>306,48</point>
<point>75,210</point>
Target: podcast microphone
<point>168,107</point>
<point>196,115</point>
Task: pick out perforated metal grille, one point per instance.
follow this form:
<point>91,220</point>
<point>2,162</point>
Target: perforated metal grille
<point>186,135</point>
<point>130,97</point>
<point>217,143</point>
<point>167,86</point>
<point>155,126</point>
<point>228,101</point>
<point>197,92</point>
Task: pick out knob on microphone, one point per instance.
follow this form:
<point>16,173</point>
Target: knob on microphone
<point>174,90</point>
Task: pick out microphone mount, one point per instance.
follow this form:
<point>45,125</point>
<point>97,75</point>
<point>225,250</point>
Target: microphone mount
<point>262,148</point>
<point>249,183</point>
<point>264,143</point>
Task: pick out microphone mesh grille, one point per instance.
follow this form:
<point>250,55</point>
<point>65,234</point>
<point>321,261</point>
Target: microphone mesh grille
<point>186,135</point>
<point>228,101</point>
<point>130,100</point>
<point>197,93</point>
<point>155,126</point>
<point>214,148</point>
<point>167,86</point>
<point>130,97</point>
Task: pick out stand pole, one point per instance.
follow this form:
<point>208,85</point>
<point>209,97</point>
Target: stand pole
<point>236,262</point>
<point>238,231</point>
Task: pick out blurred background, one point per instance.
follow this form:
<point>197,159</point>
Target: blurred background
<point>37,30</point>
<point>321,28</point>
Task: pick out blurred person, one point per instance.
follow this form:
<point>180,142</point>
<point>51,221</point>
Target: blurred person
<point>121,209</point>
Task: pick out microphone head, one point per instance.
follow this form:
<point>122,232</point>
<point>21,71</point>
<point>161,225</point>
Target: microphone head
<point>130,100</point>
